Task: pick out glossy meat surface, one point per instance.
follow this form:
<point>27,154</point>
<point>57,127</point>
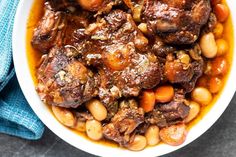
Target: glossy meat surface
<point>169,113</point>
<point>56,28</point>
<point>64,81</point>
<point>118,50</point>
<point>50,30</point>
<point>123,124</point>
<point>178,21</point>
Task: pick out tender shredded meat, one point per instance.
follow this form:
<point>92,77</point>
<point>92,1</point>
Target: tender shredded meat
<point>160,48</point>
<point>123,124</point>
<point>50,31</point>
<point>212,21</point>
<point>156,117</point>
<point>143,74</point>
<point>64,81</point>
<point>170,113</point>
<point>178,21</point>
<point>174,111</point>
<point>57,28</point>
<point>198,71</point>
<point>112,38</point>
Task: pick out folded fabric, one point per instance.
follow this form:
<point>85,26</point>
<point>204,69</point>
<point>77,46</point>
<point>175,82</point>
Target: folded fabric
<point>7,13</point>
<point>16,116</point>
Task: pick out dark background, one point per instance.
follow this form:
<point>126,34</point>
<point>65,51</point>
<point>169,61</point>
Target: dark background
<point>218,141</point>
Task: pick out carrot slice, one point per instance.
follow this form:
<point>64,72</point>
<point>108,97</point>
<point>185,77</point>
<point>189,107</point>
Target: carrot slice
<point>164,94</point>
<point>148,100</point>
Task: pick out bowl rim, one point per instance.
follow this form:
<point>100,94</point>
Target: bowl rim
<point>42,111</point>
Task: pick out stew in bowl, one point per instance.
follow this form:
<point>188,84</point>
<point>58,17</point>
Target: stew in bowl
<point>128,73</point>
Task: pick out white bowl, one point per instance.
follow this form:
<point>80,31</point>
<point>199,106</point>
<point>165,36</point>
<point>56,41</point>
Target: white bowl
<point>27,86</point>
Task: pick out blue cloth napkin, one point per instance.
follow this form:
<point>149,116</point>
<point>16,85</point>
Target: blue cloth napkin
<point>16,116</point>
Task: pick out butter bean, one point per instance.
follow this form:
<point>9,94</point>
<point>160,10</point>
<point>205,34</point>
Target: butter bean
<point>193,112</point>
<point>174,135</point>
<point>138,144</point>
<point>64,116</point>
<point>152,135</point>
<point>94,129</point>
<point>97,109</point>
<point>201,95</point>
<point>208,45</point>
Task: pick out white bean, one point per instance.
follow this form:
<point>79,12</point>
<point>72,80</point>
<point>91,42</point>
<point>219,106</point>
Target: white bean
<point>97,109</point>
<point>139,143</point>
<point>193,112</point>
<point>201,95</point>
<point>64,116</point>
<point>208,45</point>
<point>174,135</point>
<point>94,129</point>
<point>152,135</point>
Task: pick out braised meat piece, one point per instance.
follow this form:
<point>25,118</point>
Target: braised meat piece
<point>75,21</point>
<point>110,41</point>
<point>64,81</point>
<point>178,21</point>
<point>56,28</point>
<point>50,31</point>
<point>180,69</point>
<point>167,114</point>
<point>156,117</point>
<point>160,48</point>
<point>211,24</point>
<point>118,49</point>
<point>141,74</point>
<point>198,71</point>
<point>123,124</point>
<point>174,111</point>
